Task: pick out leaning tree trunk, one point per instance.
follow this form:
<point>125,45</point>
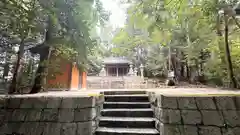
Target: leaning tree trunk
<point>182,67</point>
<point>188,71</point>
<point>6,66</point>
<point>6,70</point>
<point>13,85</point>
<point>41,74</point>
<point>201,62</point>
<point>220,40</point>
<point>233,82</point>
<point>174,65</point>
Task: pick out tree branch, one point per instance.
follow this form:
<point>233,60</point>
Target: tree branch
<point>236,21</point>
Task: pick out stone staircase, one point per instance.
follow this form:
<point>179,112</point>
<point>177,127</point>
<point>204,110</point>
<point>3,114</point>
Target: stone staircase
<point>126,113</point>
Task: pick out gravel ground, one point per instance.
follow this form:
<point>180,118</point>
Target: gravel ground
<point>191,91</point>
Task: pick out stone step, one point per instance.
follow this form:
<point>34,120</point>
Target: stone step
<point>126,105</point>
<point>126,112</point>
<point>127,98</point>
<point>123,92</point>
<point>127,122</point>
<point>126,131</point>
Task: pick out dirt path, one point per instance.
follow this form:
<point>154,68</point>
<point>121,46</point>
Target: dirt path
<point>193,91</point>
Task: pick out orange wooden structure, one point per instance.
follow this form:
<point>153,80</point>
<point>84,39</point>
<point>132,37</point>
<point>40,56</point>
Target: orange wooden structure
<point>69,78</point>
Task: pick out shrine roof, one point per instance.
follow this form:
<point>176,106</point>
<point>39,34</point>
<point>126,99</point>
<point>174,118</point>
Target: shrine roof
<point>116,60</point>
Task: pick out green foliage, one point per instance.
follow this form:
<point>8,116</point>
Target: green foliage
<point>20,19</point>
<point>26,74</point>
<point>66,25</point>
<point>186,29</point>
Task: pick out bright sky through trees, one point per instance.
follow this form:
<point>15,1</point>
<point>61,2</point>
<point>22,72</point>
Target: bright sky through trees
<point>118,14</point>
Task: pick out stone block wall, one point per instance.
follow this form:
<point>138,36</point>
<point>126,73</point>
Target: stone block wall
<point>178,115</point>
<point>50,115</point>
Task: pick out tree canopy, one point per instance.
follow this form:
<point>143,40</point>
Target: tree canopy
<point>184,36</point>
<point>66,26</point>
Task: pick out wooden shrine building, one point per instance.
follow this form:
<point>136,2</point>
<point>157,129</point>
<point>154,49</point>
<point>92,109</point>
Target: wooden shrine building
<point>116,66</point>
<point>68,76</point>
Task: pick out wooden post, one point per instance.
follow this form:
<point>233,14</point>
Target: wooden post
<point>80,80</point>
<point>84,80</point>
<point>117,71</point>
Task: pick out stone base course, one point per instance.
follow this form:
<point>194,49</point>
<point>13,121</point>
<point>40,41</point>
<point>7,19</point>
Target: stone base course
<point>178,115</point>
<point>50,115</point>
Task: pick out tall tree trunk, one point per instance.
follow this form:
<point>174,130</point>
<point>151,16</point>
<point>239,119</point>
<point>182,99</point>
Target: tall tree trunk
<point>177,63</point>
<point>220,39</point>
<point>6,66</point>
<point>6,70</point>
<point>188,70</point>
<point>20,53</point>
<point>37,87</point>
<point>193,74</point>
<point>182,65</point>
<point>41,74</point>
<point>182,70</point>
<point>189,43</point>
<point>169,59</point>
<point>201,62</point>
<point>233,82</point>
<point>174,66</point>
<point>197,67</point>
<point>220,42</point>
<point>30,70</point>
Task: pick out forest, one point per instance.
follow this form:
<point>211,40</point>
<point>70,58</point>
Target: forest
<point>198,40</point>
<point>31,29</point>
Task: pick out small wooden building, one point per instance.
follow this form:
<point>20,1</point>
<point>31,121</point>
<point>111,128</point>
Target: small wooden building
<point>68,76</point>
<point>116,66</point>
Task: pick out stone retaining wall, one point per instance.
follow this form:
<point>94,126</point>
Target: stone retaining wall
<point>196,115</point>
<point>50,115</point>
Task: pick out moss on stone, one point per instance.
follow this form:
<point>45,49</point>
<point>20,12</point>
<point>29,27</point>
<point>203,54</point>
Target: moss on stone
<point>95,94</point>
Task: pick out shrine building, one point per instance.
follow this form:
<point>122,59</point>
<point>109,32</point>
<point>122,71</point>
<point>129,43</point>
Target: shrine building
<point>69,76</point>
<point>116,66</point>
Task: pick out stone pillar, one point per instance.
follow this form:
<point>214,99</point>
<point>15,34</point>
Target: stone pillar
<point>103,72</point>
<point>170,74</point>
<point>135,71</point>
<point>141,70</point>
<point>84,80</point>
<point>131,73</point>
<point>106,71</point>
<point>117,71</point>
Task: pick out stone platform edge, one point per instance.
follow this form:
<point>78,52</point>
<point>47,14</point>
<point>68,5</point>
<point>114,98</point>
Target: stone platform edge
<point>50,115</point>
<point>196,115</point>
